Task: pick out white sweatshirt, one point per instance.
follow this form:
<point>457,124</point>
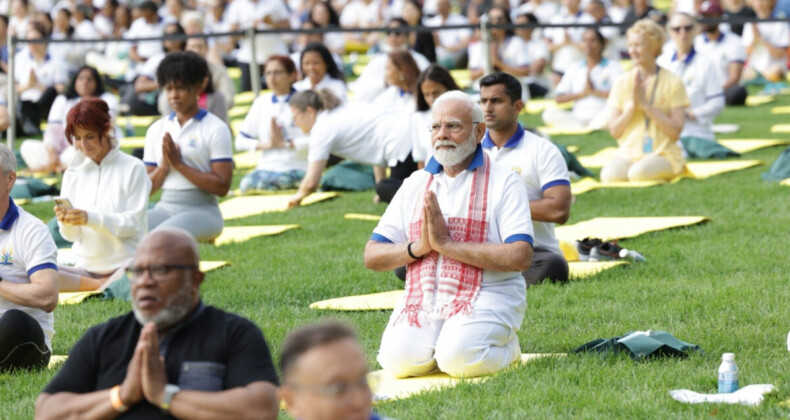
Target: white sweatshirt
<point>115,195</point>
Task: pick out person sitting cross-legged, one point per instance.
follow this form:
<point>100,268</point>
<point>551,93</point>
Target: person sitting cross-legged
<point>462,225</point>
<point>539,164</point>
<point>171,356</point>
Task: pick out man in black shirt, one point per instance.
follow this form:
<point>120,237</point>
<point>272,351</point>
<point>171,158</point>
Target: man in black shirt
<point>172,356</point>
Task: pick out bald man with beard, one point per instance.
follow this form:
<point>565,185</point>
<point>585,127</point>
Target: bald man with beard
<point>172,356</point>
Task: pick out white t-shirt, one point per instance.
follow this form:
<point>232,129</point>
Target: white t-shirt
<point>203,140</point>
<point>338,87</point>
<point>358,14</point>
<point>574,80</point>
<point>777,34</point>
<point>49,72</point>
<point>142,29</point>
<point>393,99</point>
<point>704,88</point>
<point>27,247</point>
<point>568,54</point>
<point>256,128</point>
<point>450,37</point>
<point>507,215</point>
<point>244,13</point>
<point>419,123</point>
<point>727,49</point>
<point>149,67</point>
<point>544,11</point>
<point>357,132</point>
<point>540,165</point>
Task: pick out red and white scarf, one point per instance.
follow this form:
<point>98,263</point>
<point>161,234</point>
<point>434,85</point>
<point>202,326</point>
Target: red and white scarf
<point>458,283</point>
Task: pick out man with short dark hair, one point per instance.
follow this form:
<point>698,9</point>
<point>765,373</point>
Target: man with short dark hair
<point>539,164</point>
<point>171,356</point>
<point>28,280</point>
<point>325,374</point>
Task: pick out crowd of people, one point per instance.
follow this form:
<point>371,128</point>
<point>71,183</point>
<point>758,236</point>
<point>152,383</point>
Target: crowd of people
<point>473,195</point>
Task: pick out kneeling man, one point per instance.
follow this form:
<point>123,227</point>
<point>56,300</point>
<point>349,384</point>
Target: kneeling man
<point>462,226</point>
<point>171,356</point>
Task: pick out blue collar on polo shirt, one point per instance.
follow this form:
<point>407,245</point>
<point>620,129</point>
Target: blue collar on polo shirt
<point>10,215</point>
<point>689,57</point>
<point>512,141</point>
<point>718,40</point>
<point>435,167</point>
<point>197,117</point>
<point>287,98</point>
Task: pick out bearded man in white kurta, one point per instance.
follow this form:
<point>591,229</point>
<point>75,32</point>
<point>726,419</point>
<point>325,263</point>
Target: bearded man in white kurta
<point>462,227</point>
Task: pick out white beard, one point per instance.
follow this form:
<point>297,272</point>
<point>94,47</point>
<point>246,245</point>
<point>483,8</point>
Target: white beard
<point>456,155</point>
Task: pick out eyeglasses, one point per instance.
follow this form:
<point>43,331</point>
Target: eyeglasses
<point>274,73</point>
<point>453,127</point>
<point>336,390</point>
<point>158,273</point>
<point>677,29</point>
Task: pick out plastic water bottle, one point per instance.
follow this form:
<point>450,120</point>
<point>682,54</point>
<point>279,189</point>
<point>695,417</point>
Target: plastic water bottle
<point>728,374</point>
<point>627,253</point>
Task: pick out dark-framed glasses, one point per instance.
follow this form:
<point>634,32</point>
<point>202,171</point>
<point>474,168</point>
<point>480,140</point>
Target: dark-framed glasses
<point>451,126</point>
<point>335,390</point>
<point>677,29</point>
<point>158,273</point>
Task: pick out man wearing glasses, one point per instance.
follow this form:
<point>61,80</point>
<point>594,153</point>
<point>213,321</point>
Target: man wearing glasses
<point>462,227</point>
<point>172,356</point>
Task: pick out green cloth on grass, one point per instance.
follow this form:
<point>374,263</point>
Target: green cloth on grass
<point>54,230</point>
<point>25,187</point>
<point>119,289</point>
<point>641,345</point>
<point>780,169</point>
<point>573,164</point>
<point>348,176</point>
<point>699,148</point>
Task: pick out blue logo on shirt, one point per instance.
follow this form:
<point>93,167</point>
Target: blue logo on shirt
<point>8,252</point>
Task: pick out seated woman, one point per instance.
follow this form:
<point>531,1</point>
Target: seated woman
<point>108,191</point>
<point>766,44</point>
<point>400,76</point>
<point>188,154</point>
<point>703,85</point>
<point>353,131</point>
<point>648,111</point>
<point>431,84</point>
<point>587,84</point>
<point>268,127</point>
<point>320,71</point>
<point>39,78</point>
<point>54,153</point>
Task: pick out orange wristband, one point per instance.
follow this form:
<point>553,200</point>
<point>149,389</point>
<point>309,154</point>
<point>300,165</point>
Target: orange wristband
<point>116,401</point>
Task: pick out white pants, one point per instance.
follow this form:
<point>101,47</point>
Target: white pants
<point>555,117</point>
<point>480,343</point>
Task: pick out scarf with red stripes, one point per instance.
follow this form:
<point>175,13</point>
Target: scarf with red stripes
<point>458,284</point>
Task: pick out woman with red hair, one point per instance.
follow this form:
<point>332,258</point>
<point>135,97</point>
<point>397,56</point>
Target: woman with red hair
<point>108,193</point>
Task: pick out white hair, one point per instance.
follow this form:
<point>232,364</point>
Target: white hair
<point>458,96</point>
<point>7,159</point>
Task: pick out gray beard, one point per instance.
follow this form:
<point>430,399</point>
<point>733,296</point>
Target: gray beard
<point>176,308</point>
<point>456,155</point>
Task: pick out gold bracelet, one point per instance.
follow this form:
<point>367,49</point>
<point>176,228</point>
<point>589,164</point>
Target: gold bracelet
<point>116,401</point>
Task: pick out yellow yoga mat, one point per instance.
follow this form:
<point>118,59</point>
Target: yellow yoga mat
<point>137,120</point>
<point>234,72</point>
<point>750,145</point>
<point>387,388</point>
<point>132,142</point>
<point>756,100</point>
<point>599,158</point>
<point>780,128</point>
<point>572,149</point>
<point>239,111</point>
<point>236,234</point>
<point>462,77</point>
<point>246,160</point>
<point>781,109</point>
<point>387,300</point>
<point>589,184</point>
<point>366,217</point>
<point>565,131</point>
<point>56,360</point>
<point>786,182</point>
<point>238,207</point>
<point>536,106</point>
<point>244,98</point>
<point>622,227</point>
<point>703,170</point>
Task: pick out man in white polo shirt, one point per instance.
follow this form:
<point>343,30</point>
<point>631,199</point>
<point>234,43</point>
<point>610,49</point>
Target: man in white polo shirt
<point>462,227</point>
<point>538,163</point>
<point>727,51</point>
<point>28,280</point>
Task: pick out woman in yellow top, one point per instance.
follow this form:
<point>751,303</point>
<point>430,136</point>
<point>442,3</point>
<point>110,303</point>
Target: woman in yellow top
<point>648,105</point>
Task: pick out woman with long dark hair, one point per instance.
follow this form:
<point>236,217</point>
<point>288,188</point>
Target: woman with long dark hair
<point>319,71</point>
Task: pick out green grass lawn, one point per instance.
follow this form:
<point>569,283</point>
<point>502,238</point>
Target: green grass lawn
<point>721,285</point>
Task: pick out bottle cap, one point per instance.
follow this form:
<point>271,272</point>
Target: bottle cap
<point>728,357</point>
